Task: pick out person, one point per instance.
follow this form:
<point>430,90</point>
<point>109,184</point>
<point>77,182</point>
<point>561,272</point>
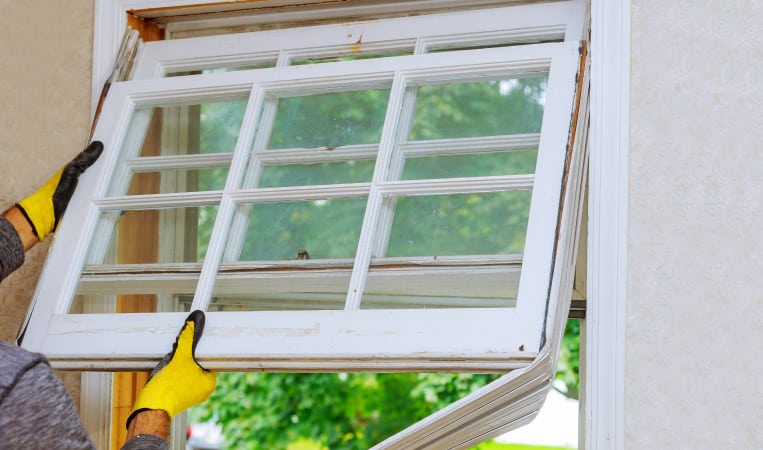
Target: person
<point>36,412</point>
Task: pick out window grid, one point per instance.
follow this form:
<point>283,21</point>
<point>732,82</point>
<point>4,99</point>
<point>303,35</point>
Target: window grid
<point>385,184</point>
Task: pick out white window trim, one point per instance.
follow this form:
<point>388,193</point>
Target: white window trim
<point>603,401</point>
<point>607,244</point>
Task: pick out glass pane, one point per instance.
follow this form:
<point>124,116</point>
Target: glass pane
<point>103,295</point>
<point>467,45</point>
<point>219,126</point>
<point>489,286</point>
<point>357,55</point>
<point>481,108</point>
<point>271,290</point>
<point>171,235</point>
<point>460,224</point>
<point>221,69</point>
<point>176,180</point>
<point>318,173</point>
<point>187,129</point>
<point>471,165</point>
<point>329,120</point>
<point>316,229</point>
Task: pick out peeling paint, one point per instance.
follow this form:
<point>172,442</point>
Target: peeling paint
<point>355,48</point>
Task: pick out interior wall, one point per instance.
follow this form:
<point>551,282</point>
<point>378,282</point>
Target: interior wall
<point>46,49</point>
<point>695,251</point>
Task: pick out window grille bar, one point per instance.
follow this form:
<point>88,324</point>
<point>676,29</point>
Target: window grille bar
<point>374,205</point>
<point>252,170</point>
<point>196,161</point>
<point>487,144</point>
<point>220,230</point>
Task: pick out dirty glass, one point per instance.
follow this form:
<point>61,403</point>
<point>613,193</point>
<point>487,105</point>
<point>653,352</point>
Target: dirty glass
<point>311,229</point>
<point>150,236</point>
<point>329,120</point>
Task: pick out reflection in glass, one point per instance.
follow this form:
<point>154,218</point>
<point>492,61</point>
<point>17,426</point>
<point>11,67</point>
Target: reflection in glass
<point>470,165</point>
<point>176,180</point>
<point>460,224</point>
<point>445,286</point>
<point>482,108</point>
<point>188,129</point>
<point>305,289</point>
<point>102,295</point>
<point>342,56</point>
<point>359,171</point>
<point>169,235</point>
<point>314,229</point>
<point>222,69</point>
<point>329,120</point>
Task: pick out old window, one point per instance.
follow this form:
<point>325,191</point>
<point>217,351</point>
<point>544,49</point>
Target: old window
<point>392,195</point>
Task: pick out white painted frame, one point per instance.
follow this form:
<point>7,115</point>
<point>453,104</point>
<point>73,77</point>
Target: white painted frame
<point>420,34</point>
<point>455,339</point>
<point>604,346</point>
<point>607,254</point>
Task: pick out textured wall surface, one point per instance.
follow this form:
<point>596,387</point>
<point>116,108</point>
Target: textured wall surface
<point>46,49</point>
<point>694,345</point>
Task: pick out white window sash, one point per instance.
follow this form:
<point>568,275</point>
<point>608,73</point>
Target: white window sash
<point>514,24</point>
<point>452,339</point>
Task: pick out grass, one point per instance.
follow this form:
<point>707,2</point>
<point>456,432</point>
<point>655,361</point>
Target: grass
<point>490,445</point>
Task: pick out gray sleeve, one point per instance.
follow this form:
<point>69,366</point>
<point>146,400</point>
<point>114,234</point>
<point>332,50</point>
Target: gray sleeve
<point>38,413</point>
<point>11,249</point>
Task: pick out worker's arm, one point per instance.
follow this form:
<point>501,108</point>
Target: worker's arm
<point>22,226</point>
<point>148,430</point>
<point>11,246</point>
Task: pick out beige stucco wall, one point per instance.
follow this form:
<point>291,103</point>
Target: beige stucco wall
<point>46,53</point>
<point>694,343</point>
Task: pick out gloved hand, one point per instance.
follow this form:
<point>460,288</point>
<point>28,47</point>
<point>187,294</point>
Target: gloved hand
<point>178,381</point>
<point>44,208</point>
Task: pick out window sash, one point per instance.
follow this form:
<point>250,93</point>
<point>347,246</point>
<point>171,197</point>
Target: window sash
<point>421,34</point>
<point>428,339</point>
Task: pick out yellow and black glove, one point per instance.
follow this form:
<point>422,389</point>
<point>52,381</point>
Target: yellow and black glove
<point>178,381</point>
<point>44,208</point>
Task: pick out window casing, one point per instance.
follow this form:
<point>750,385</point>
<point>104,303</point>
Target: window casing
<point>451,339</point>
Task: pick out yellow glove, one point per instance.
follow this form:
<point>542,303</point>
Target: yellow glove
<point>178,381</point>
<point>44,208</point>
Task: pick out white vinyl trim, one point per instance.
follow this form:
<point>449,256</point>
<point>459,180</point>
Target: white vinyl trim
<point>604,412</point>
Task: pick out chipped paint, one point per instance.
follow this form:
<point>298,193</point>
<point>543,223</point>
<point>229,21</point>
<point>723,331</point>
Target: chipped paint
<point>355,48</point>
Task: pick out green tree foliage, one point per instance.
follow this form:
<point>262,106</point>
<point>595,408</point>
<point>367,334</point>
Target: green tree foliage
<point>355,411</point>
<point>568,372</point>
